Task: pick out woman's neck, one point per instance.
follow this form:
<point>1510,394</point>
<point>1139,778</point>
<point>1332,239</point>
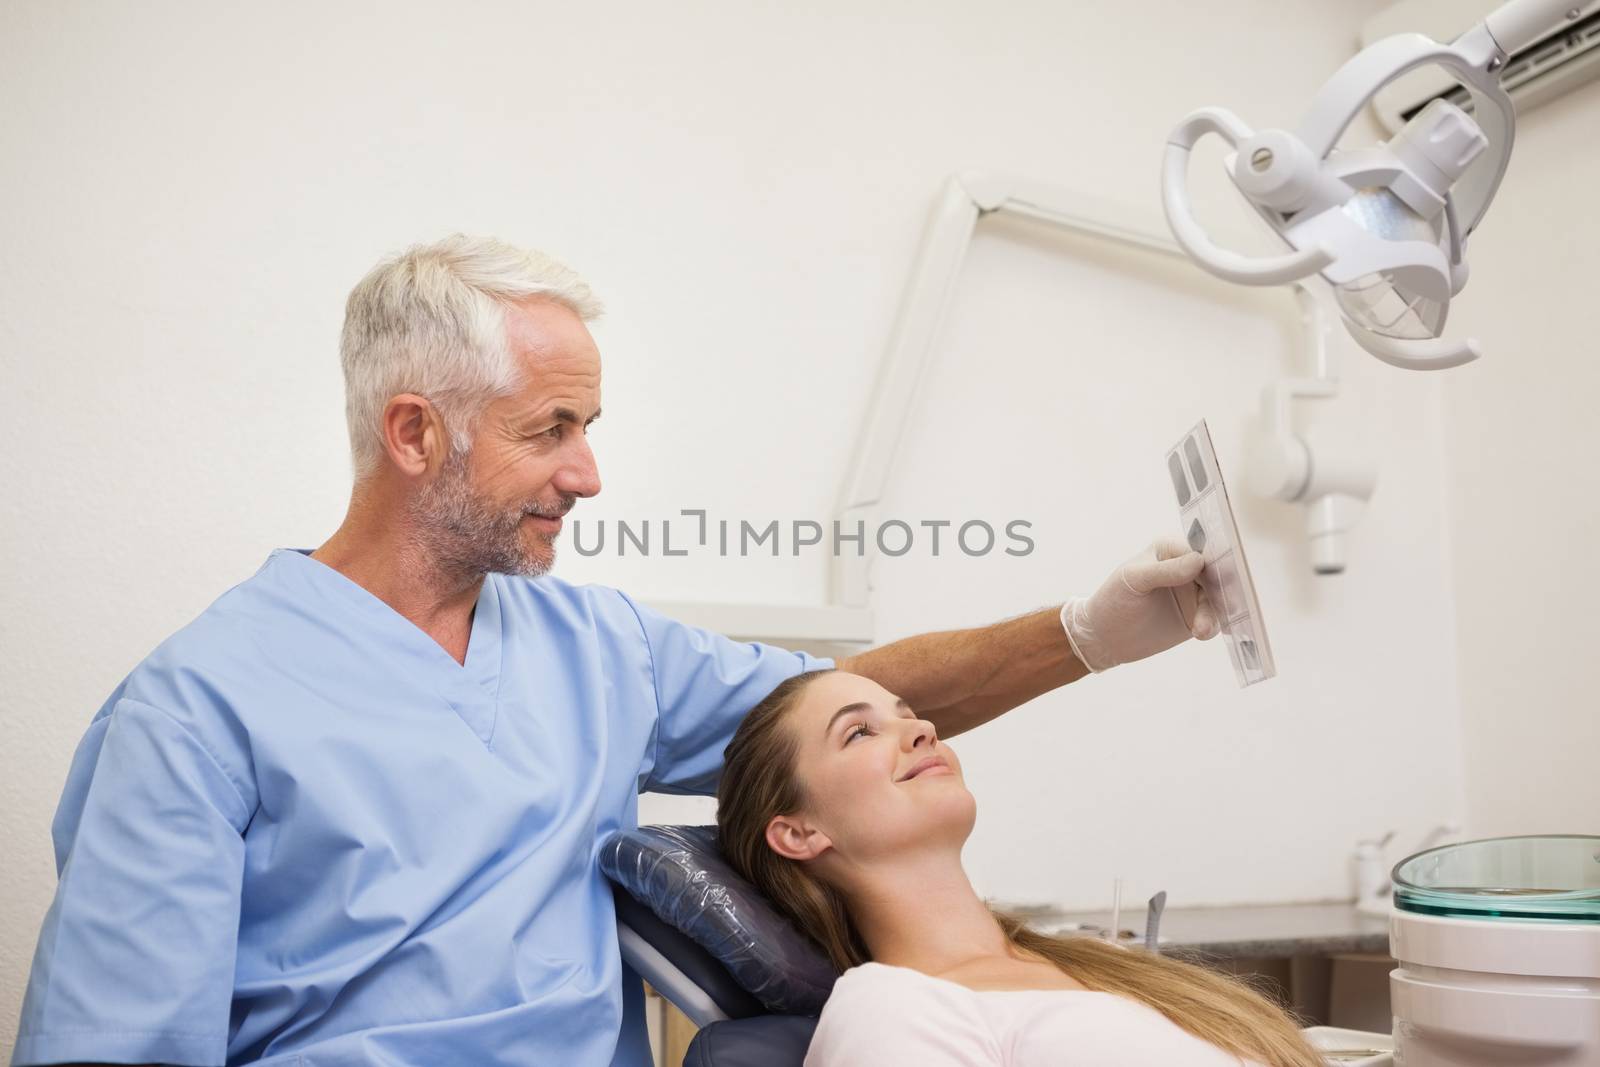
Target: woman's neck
<point>924,914</point>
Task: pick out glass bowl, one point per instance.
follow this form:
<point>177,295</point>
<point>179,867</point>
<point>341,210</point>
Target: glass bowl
<point>1553,878</point>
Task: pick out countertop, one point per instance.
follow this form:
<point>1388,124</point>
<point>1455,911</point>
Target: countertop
<point>1243,930</point>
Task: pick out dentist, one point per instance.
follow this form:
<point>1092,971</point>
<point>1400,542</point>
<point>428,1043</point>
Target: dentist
<point>349,814</point>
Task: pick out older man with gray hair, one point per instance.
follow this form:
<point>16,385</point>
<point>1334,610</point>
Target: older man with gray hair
<point>349,814</point>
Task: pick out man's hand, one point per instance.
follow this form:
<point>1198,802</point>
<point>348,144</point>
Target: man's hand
<point>1149,604</point>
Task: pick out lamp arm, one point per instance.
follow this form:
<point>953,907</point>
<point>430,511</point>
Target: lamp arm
<point>1522,22</point>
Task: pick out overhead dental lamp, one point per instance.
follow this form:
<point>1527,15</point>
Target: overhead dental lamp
<point>1385,226</point>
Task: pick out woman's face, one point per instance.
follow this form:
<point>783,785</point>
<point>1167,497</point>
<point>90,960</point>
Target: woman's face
<point>876,779</point>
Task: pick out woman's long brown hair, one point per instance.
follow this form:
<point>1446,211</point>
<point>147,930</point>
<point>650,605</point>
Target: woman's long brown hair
<point>759,783</point>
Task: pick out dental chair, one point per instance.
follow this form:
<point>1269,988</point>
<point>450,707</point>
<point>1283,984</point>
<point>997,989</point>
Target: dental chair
<point>707,941</point>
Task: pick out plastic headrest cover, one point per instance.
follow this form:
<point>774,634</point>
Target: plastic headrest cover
<point>680,875</point>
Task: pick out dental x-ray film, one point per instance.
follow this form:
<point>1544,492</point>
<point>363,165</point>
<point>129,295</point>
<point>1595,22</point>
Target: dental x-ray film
<point>1209,528</point>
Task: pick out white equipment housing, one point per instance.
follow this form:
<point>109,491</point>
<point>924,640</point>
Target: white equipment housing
<point>1475,992</point>
<point>1498,945</point>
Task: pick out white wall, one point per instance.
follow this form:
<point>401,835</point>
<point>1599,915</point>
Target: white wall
<point>1088,366</point>
<point>1524,513</point>
<point>192,190</point>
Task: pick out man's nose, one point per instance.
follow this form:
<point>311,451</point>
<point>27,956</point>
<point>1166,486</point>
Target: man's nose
<point>579,475</point>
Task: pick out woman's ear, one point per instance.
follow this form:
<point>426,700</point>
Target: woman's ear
<point>792,839</point>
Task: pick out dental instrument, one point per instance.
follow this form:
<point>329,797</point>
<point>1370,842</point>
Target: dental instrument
<point>1385,226</point>
<point>1152,921</point>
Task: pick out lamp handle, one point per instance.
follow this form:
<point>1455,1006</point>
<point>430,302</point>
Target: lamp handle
<point>1230,266</point>
<point>1436,353</point>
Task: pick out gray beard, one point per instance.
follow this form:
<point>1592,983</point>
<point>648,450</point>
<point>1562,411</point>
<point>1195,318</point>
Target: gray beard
<point>464,535</point>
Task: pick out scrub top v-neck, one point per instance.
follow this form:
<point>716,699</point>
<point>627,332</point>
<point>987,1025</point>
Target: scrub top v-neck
<point>301,833</point>
<point>470,687</point>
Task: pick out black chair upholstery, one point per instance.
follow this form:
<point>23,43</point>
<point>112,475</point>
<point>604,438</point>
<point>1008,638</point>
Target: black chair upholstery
<point>766,1041</point>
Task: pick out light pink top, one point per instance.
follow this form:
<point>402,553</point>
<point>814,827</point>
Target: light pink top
<point>882,1015</point>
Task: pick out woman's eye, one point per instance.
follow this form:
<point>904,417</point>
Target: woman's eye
<point>855,732</point>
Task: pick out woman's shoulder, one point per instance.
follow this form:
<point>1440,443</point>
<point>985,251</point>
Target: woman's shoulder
<point>987,974</point>
<point>966,981</point>
<point>878,976</point>
<point>878,1013</point>
<point>874,992</point>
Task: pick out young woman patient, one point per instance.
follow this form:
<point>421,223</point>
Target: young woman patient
<point>849,813</point>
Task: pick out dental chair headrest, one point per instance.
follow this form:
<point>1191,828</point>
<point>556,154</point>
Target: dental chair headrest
<point>680,875</point>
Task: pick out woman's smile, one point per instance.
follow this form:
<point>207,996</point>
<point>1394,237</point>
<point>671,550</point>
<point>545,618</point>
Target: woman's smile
<point>925,766</point>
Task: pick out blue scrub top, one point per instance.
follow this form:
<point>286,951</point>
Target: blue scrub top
<point>301,833</point>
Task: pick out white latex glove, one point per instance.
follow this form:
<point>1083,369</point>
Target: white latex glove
<point>1151,603</point>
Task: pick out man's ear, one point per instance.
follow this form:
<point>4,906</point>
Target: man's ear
<point>413,434</point>
<point>791,838</point>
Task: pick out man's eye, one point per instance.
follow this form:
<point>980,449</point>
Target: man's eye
<point>554,432</point>
<point>855,732</point>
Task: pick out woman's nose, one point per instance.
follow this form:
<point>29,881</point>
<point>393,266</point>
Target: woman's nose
<point>922,733</point>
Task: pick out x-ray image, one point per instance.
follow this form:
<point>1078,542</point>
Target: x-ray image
<point>1210,530</point>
